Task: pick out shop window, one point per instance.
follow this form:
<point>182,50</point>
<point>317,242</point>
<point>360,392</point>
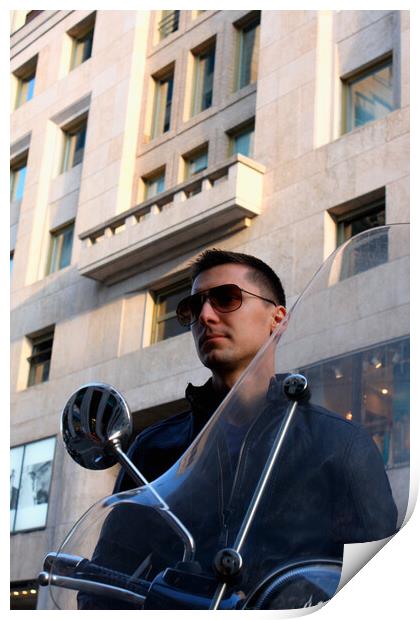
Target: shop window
<point>61,245</point>
<point>249,44</point>
<point>82,41</point>
<point>25,77</point>
<point>74,144</point>
<point>203,79</point>
<point>23,594</point>
<point>162,103</point>
<point>165,324</point>
<point>168,23</point>
<point>40,358</point>
<point>30,481</point>
<point>17,178</point>
<point>242,140</point>
<point>154,184</point>
<point>370,387</point>
<point>369,95</point>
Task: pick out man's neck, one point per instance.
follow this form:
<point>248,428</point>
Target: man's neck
<point>222,385</point>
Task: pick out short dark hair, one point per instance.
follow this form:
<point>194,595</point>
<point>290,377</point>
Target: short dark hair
<point>260,272</point>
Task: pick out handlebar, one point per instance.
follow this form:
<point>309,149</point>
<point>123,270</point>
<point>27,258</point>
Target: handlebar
<point>77,573</point>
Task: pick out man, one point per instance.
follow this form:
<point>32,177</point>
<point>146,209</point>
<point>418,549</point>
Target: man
<point>226,342</point>
<point>331,487</point>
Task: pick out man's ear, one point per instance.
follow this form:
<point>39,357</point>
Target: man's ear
<point>277,317</point>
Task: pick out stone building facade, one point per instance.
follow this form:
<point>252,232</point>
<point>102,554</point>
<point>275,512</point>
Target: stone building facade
<point>140,138</point>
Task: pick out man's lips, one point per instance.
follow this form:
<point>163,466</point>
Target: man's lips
<point>209,338</point>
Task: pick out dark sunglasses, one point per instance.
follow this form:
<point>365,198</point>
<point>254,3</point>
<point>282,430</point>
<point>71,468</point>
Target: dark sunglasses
<point>223,298</point>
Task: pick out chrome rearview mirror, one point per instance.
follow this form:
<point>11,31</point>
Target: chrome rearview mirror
<point>96,426</point>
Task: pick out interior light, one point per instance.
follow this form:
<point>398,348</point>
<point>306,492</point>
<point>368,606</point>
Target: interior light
<point>385,391</point>
<point>337,372</point>
<point>349,415</point>
<point>375,361</point>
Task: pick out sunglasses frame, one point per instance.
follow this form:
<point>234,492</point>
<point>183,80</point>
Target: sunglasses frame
<point>206,294</point>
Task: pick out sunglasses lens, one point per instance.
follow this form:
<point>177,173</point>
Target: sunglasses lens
<point>226,298</point>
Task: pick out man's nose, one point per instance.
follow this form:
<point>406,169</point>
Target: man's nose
<point>207,313</point>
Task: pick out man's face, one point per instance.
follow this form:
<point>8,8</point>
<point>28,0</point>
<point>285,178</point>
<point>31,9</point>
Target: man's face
<point>227,342</point>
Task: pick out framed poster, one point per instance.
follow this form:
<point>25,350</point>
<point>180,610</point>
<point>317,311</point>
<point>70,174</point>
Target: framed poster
<point>31,466</point>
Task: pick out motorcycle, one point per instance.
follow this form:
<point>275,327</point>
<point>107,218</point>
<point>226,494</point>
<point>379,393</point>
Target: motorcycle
<point>290,468</point>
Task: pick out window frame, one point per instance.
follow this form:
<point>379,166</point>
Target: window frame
<point>55,236</point>
<point>358,76</point>
<point>195,154</point>
<point>81,33</point>
<point>150,179</point>
<point>157,320</point>
<point>37,340</point>
<point>244,129</point>
<point>201,56</point>
<point>172,15</point>
<point>25,76</point>
<point>351,215</point>
<point>250,22</point>
<point>70,132</point>
<point>160,110</point>
<point>16,166</point>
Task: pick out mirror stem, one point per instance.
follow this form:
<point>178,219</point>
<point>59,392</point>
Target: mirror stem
<point>136,475</point>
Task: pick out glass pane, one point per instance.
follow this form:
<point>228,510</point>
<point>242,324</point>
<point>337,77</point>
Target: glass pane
<point>16,458</point>
<point>18,183</point>
<point>243,143</point>
<point>169,302</point>
<point>79,146</point>
<point>248,64</point>
<point>197,163</point>
<point>87,46</point>
<point>371,388</point>
<point>169,328</point>
<point>363,222</point>
<point>35,485</point>
<point>371,97</point>
<point>155,186</point>
<point>208,80</point>
<point>30,88</point>
<point>66,247</point>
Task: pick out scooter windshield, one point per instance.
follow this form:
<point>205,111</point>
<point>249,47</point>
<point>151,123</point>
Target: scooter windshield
<point>278,476</point>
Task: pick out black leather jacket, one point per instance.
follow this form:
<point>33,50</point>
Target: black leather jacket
<point>330,489</point>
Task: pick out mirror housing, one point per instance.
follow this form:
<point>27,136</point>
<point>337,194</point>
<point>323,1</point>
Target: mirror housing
<point>95,421</point>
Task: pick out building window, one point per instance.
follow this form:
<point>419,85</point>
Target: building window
<point>203,79</point>
<point>39,360</point>
<point>82,41</point>
<point>358,220</point>
<point>242,140</point>
<point>23,594</point>
<point>162,104</point>
<point>74,145</point>
<point>196,162</point>
<point>61,245</point>
<point>169,22</point>
<point>154,184</point>
<point>359,258</point>
<point>369,95</point>
<point>17,178</point>
<point>249,44</point>
<point>25,82</point>
<point>12,255</point>
<point>30,481</point>
<point>165,324</point>
<point>370,387</point>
